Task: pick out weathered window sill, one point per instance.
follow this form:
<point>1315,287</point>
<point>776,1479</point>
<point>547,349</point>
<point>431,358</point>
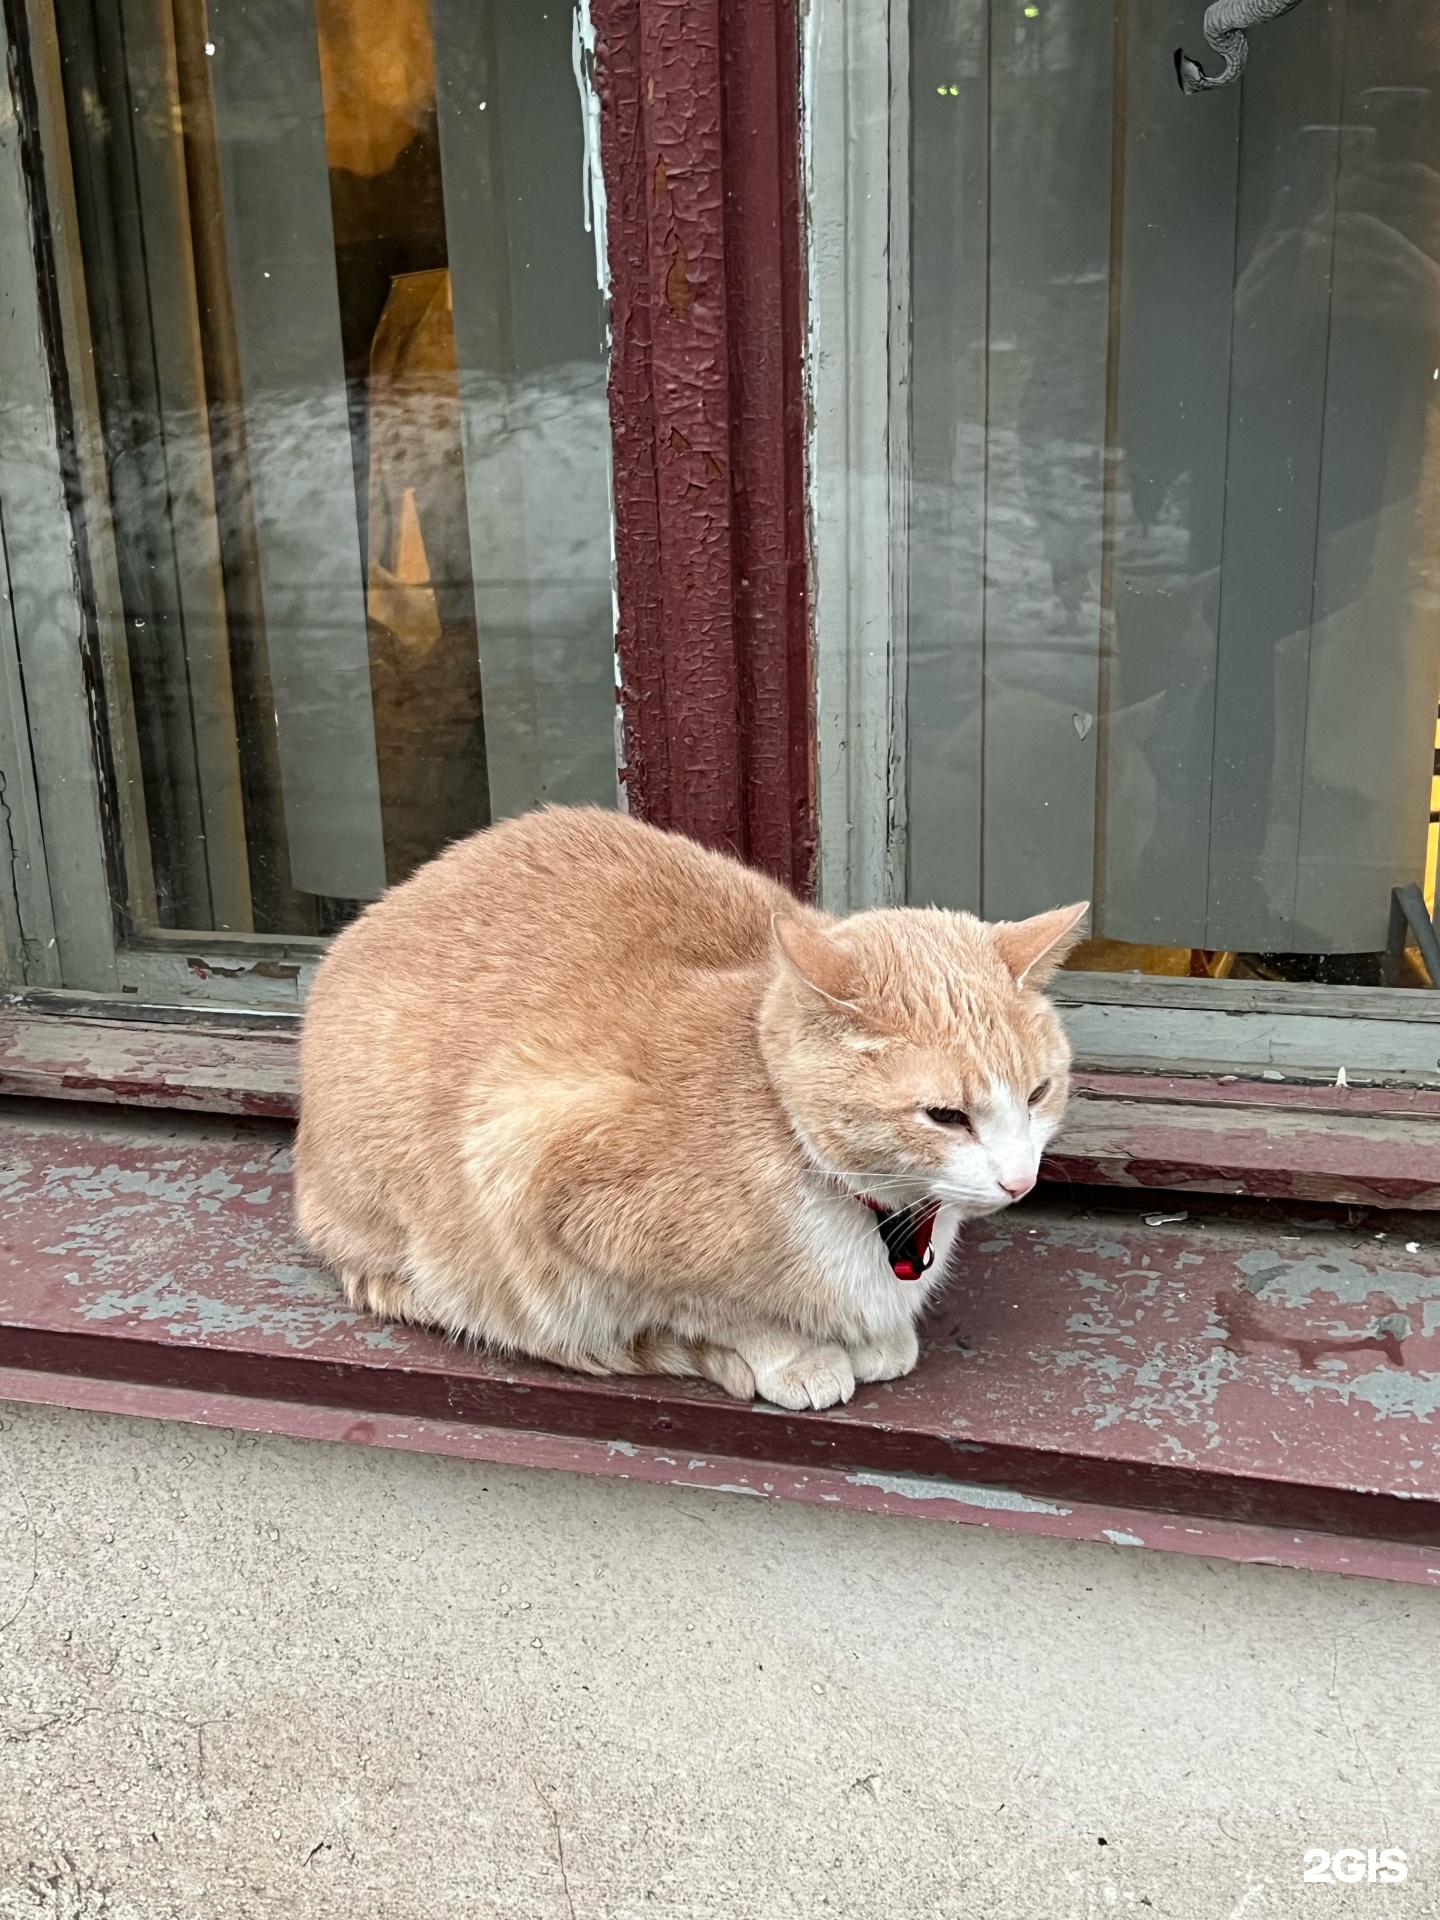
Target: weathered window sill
<point>1361,1146</point>
<point>1239,1382</point>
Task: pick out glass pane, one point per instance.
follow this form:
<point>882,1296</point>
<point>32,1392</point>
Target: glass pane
<point>349,367</point>
<point>1174,577</point>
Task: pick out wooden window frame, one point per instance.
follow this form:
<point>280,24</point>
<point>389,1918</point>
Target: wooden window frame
<point>701,173</point>
<point>1242,1036</point>
<point>758,716</point>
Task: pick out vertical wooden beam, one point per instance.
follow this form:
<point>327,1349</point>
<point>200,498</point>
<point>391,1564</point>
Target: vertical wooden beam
<point>761,85</point>
<point>619,84</point>
<point>699,140</point>
<point>690,365</point>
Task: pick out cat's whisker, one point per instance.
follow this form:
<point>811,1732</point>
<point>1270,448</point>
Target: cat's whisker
<point>910,1215</point>
<point>876,1174</point>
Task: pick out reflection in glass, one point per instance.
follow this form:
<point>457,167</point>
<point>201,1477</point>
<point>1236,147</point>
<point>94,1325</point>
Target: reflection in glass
<point>1174,595</point>
<point>348,359</point>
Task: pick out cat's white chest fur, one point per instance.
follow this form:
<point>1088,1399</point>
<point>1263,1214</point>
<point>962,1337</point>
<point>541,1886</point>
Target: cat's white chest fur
<point>843,1239</point>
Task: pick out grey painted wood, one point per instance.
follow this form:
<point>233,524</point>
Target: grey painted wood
<point>470,111</point>
<point>1374,656</point>
<point>1195,1039</point>
<point>1241,997</point>
<point>1050,134</point>
<point>535,428</point>
<point>898,331</point>
<point>210,973</point>
<point>270,120</point>
<point>27,921</point>
<point>1173,372</point>
<point>186,577</point>
<point>91,475</point>
<point>101,127</point>
<point>1290,134</point>
<point>561,364</point>
<point>48,616</point>
<point>857,277</point>
<point>949,249</point>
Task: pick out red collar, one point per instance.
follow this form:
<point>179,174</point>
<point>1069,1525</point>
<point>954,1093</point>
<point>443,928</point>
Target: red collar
<point>906,1232</point>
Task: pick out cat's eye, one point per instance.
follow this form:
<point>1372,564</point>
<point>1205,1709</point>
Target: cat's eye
<point>948,1116</point>
<point>1040,1092</point>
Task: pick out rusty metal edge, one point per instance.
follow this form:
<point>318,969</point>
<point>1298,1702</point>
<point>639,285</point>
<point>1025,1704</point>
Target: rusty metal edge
<point>663,1414</point>
<point>895,1495</point>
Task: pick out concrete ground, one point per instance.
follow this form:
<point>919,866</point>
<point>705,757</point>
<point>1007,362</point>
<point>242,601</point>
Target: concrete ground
<point>258,1677</point>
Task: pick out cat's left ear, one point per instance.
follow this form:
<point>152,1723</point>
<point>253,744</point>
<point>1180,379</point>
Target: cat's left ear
<point>1033,949</point>
<point>814,958</point>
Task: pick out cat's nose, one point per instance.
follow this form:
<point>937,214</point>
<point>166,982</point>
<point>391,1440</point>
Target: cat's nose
<point>1019,1186</point>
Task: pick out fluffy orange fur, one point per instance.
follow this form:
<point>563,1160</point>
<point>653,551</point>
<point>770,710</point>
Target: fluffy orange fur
<point>591,1093</point>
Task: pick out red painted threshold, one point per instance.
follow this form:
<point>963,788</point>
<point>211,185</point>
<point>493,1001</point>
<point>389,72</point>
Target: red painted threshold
<point>967,1503</point>
<point>1271,1382</point>
<point>1365,1146</point>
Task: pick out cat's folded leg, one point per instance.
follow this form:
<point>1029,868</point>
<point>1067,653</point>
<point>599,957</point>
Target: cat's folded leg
<point>795,1372</point>
<point>888,1356</point>
<point>663,1352</point>
<point>381,1294</point>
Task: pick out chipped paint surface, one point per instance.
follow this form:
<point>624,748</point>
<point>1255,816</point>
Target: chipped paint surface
<point>823,1486</point>
<point>1371,1145</point>
<point>698,141</point>
<point>140,1063</point>
<point>1362,1145</point>
<point>996,1499</point>
<point>1251,1370</point>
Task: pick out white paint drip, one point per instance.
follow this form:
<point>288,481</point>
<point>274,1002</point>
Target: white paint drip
<point>914,1487</point>
<point>592,174</point>
<point>1118,1539</point>
<point>595,211</point>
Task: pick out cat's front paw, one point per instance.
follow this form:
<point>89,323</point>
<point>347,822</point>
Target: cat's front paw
<point>815,1377</point>
<point>888,1357</point>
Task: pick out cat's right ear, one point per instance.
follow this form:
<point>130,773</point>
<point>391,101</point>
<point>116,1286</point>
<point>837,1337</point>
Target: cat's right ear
<point>1032,949</point>
<point>816,960</point>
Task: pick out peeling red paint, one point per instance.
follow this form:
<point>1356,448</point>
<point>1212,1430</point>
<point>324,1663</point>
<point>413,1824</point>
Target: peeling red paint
<point>632,421</point>
<point>690,391</point>
<point>764,254</point>
<point>702,174</point>
<point>1120,1527</point>
<point>1362,1147</point>
<point>1246,1327</point>
<point>1238,1093</point>
<point>138,1063</point>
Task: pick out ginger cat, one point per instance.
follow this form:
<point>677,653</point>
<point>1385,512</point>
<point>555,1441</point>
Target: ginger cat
<point>588,1092</point>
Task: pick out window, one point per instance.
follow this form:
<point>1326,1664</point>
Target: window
<point>1128,421</point>
<point>320,577</point>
